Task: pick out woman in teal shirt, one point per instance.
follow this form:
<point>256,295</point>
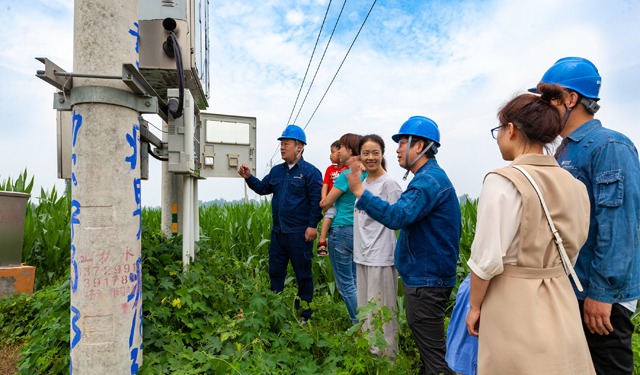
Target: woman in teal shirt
<point>341,232</point>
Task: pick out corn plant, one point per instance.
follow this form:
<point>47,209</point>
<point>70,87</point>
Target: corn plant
<point>47,231</point>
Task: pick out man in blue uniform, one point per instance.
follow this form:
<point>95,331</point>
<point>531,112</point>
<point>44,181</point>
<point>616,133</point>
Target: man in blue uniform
<point>608,265</point>
<point>295,207</point>
<point>426,254</point>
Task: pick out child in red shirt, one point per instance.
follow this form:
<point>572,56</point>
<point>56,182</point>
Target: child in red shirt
<point>333,171</point>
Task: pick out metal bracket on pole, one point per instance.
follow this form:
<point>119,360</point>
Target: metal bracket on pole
<point>136,82</point>
<point>106,95</point>
<point>147,136</point>
<point>148,100</point>
<point>48,75</point>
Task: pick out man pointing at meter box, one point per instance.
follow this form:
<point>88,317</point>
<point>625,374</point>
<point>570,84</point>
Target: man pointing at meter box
<point>295,207</point>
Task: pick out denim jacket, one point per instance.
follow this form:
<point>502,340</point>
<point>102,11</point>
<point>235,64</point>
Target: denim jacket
<point>606,161</point>
<point>296,196</point>
<point>428,214</point>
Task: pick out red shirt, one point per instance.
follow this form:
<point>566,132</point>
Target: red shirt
<point>331,174</point>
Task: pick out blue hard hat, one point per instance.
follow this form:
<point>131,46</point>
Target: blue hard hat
<point>574,73</point>
<point>294,132</point>
<point>419,126</point>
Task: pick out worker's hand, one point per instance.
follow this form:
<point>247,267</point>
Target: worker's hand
<point>355,177</point>
<point>596,316</point>
<point>244,171</point>
<point>311,234</point>
<point>473,322</point>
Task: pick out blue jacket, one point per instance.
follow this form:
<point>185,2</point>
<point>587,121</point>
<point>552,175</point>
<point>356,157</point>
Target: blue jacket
<point>428,214</point>
<point>296,196</point>
<point>606,161</point>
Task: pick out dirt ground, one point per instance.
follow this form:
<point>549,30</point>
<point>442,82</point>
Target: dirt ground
<point>9,358</point>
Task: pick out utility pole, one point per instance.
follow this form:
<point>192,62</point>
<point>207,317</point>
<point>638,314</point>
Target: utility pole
<point>106,298</point>
<point>167,203</point>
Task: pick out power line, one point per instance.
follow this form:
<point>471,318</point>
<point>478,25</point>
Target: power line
<point>308,65</point>
<point>343,60</point>
<point>304,78</point>
<point>321,59</point>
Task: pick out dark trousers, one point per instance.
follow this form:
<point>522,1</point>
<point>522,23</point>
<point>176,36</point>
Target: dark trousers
<point>425,315</point>
<point>292,247</point>
<point>612,354</point>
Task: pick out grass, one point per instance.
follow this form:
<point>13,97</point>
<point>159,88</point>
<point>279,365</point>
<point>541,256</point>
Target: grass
<point>229,322</point>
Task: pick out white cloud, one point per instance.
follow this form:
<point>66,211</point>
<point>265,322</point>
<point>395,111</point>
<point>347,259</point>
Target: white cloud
<point>295,17</point>
<point>454,62</point>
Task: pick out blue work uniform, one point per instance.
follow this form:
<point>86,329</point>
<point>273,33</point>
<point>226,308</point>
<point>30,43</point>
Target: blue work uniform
<point>428,214</point>
<point>426,255</point>
<point>608,264</point>
<point>295,207</point>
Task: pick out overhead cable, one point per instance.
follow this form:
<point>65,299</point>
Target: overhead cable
<point>321,59</point>
<point>303,79</point>
<point>343,60</point>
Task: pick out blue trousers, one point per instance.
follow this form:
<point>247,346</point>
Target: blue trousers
<point>344,268</point>
<point>292,247</point>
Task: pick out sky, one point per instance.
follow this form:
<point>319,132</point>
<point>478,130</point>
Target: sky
<point>455,62</point>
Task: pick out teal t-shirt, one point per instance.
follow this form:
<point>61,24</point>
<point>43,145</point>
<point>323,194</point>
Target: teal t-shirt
<point>344,204</point>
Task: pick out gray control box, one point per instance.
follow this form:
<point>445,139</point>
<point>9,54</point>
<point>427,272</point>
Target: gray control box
<point>192,31</point>
<point>226,142</point>
<point>183,137</point>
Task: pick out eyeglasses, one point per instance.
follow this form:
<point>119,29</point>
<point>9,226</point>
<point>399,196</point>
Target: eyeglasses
<point>494,131</point>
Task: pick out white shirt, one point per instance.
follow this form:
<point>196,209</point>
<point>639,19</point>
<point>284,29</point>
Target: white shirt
<point>373,243</point>
<point>498,227</point>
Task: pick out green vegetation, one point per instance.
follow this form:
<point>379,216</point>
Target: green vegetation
<point>47,231</point>
<point>219,317</point>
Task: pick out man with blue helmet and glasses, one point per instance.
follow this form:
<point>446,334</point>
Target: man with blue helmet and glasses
<point>608,265</point>
<point>426,253</point>
<point>295,207</point>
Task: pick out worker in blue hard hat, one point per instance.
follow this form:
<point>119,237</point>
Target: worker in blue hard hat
<point>426,253</point>
<point>608,265</point>
<point>296,186</point>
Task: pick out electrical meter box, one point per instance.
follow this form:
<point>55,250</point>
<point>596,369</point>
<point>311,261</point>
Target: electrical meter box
<point>184,133</point>
<point>191,22</point>
<point>226,142</point>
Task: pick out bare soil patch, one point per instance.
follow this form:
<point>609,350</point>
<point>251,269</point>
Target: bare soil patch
<point>9,358</point>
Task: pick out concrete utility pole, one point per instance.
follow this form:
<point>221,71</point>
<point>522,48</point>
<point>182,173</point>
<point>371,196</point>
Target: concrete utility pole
<point>167,191</point>
<point>106,298</point>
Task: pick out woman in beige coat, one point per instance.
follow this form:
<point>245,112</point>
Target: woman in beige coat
<point>523,308</point>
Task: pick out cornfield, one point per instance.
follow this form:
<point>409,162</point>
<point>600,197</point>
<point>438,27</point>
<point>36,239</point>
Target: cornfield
<point>239,228</point>
<point>234,241</point>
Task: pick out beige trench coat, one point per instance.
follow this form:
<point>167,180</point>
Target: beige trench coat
<point>530,321</point>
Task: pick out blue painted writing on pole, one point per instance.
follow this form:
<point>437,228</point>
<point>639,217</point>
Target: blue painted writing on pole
<point>78,334</point>
<point>136,296</point>
<point>134,141</point>
<point>133,326</point>
<point>136,292</point>
<point>76,123</point>
<point>136,33</point>
<point>137,189</point>
<point>75,328</point>
<point>134,351</point>
<point>74,217</point>
<point>73,175</point>
<point>74,264</point>
<point>75,211</point>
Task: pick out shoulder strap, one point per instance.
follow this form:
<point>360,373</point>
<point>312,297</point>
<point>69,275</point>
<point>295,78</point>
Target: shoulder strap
<point>568,268</point>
